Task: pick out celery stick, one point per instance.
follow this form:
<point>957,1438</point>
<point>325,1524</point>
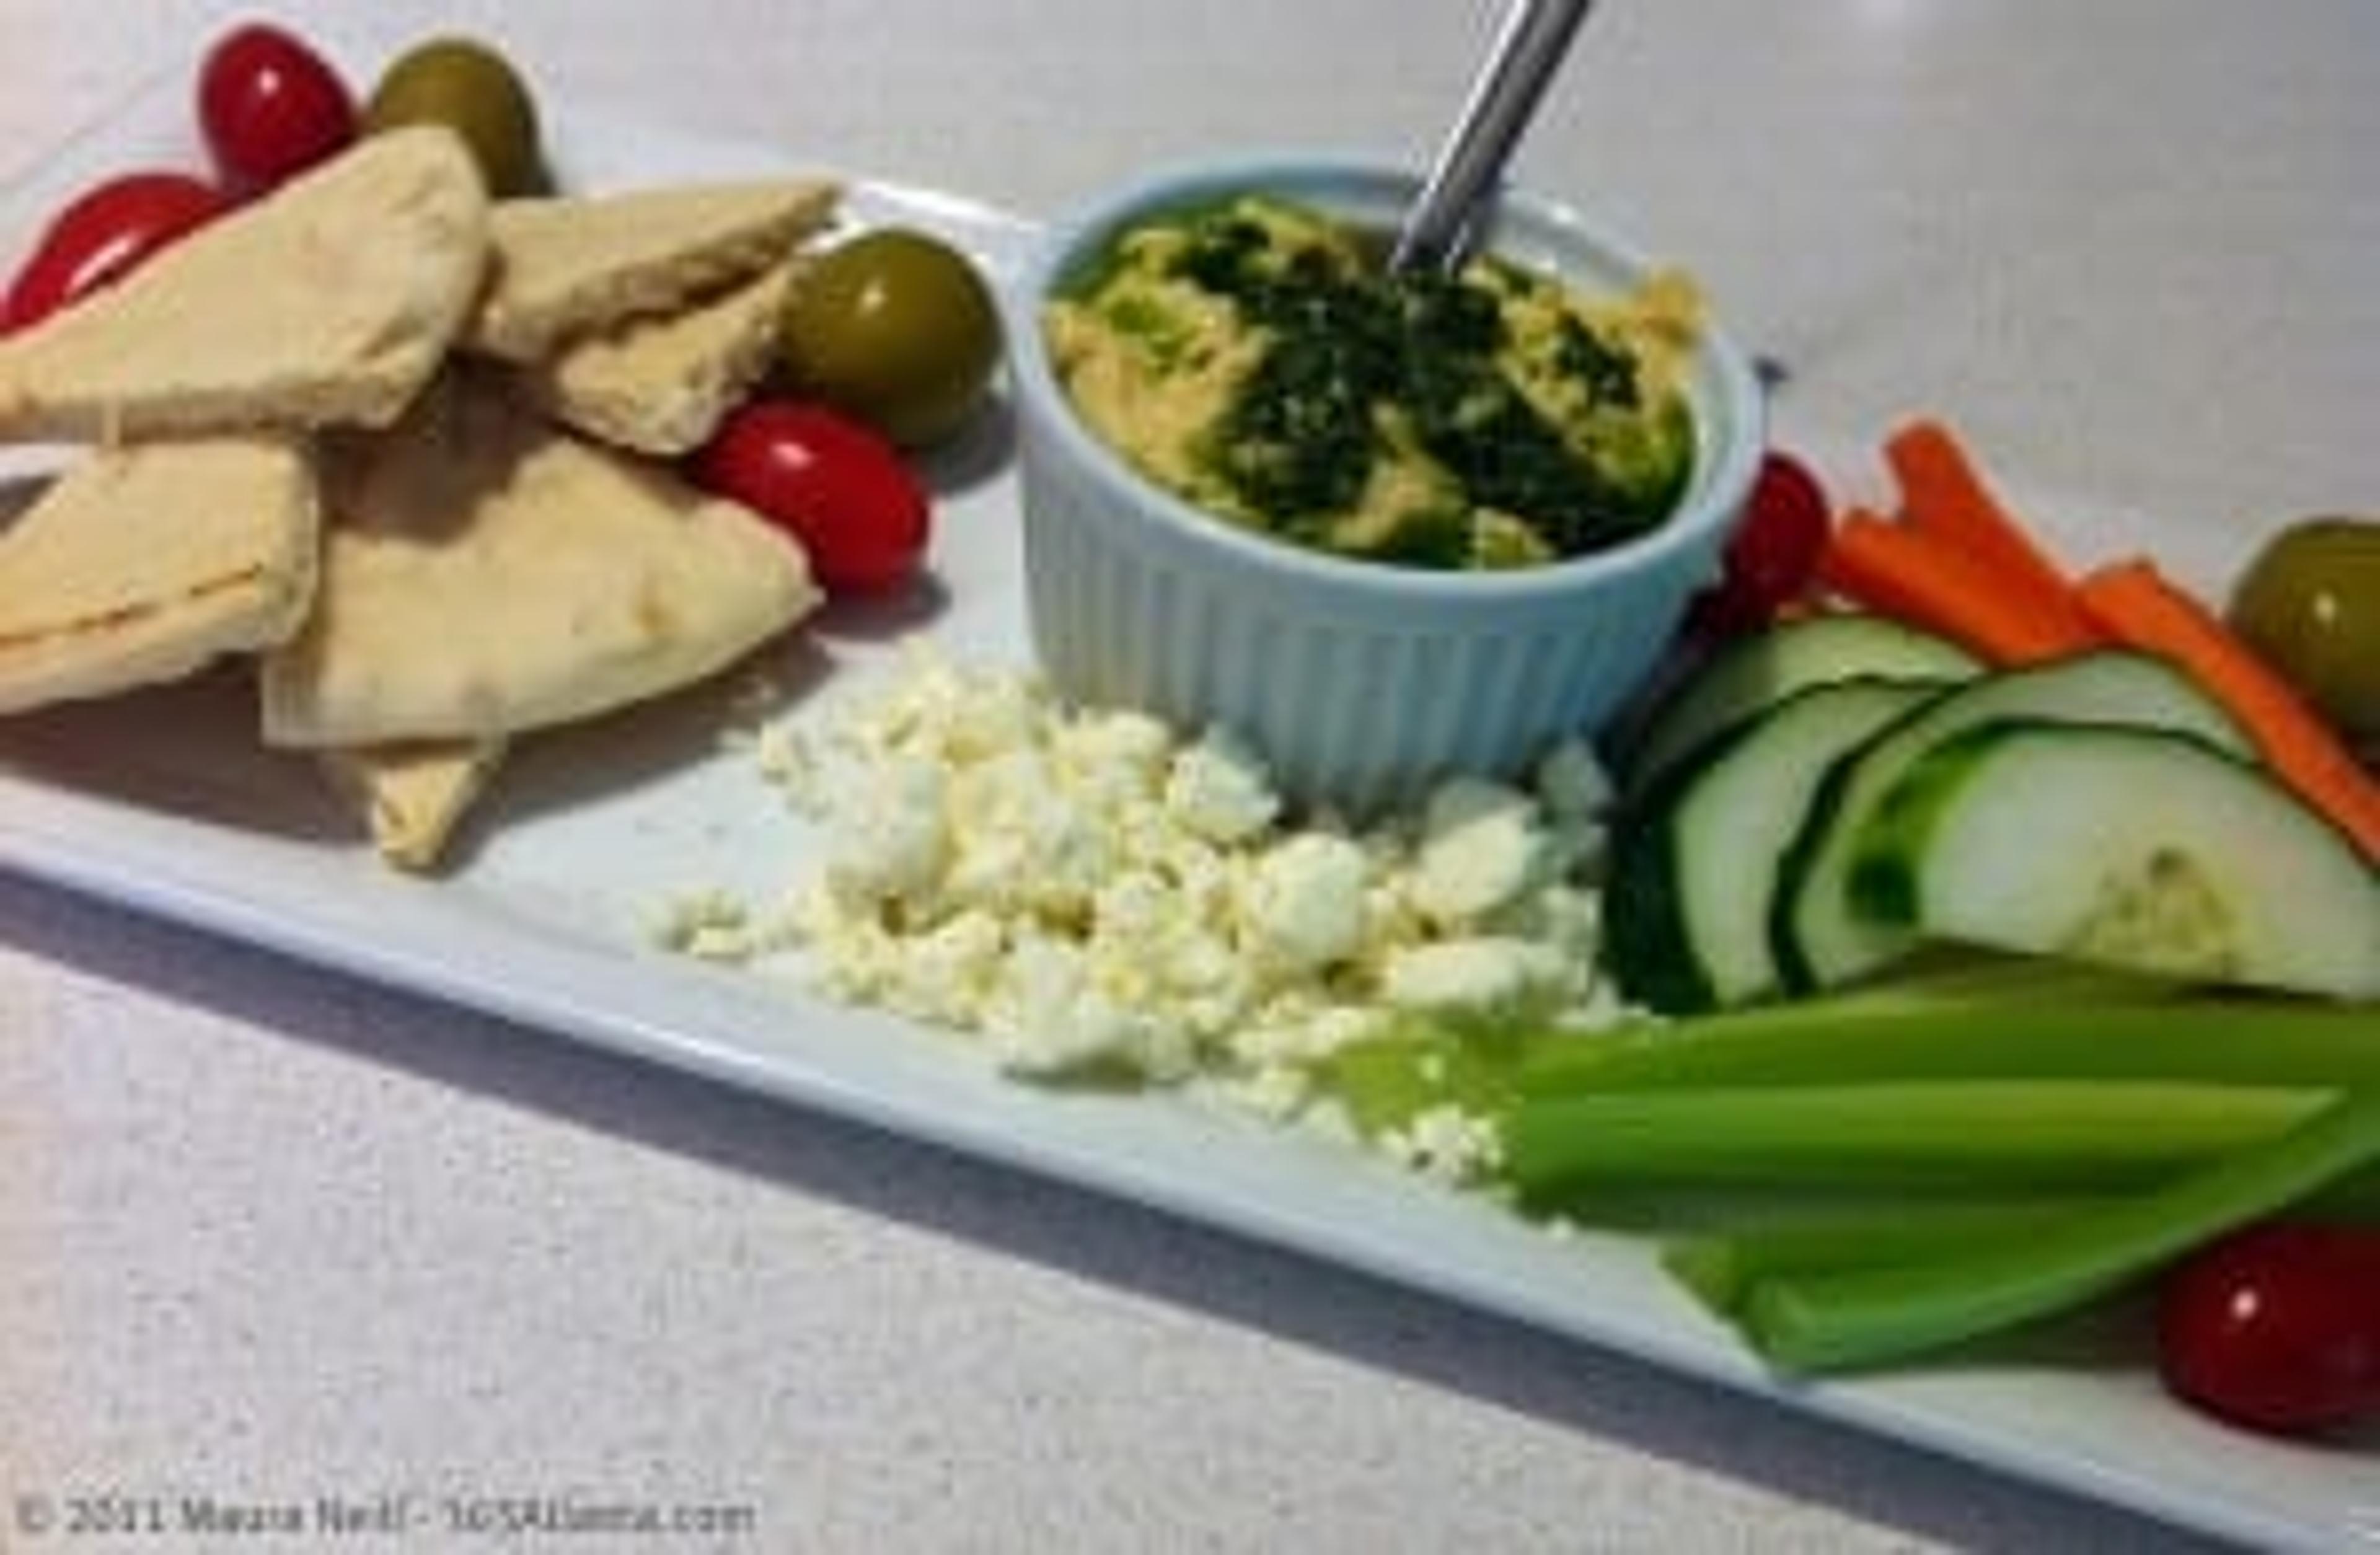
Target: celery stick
<point>2242,1039</point>
<point>1385,1081</point>
<point>1721,1267</point>
<point>1836,1321</point>
<point>1976,1136</point>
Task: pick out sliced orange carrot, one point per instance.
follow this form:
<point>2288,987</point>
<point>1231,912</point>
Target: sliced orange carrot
<point>2139,606</point>
<point>1944,497</point>
<point>1897,571</point>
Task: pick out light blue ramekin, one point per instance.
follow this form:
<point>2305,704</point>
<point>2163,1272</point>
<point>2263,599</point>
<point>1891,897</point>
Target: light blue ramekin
<point>1361,683</point>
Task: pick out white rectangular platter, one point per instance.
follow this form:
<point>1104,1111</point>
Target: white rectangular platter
<point>163,803</point>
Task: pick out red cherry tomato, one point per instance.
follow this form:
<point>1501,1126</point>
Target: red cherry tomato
<point>833,484</point>
<point>2276,1327</point>
<point>103,236</point>
<point>1772,556</point>
<point>271,107</point>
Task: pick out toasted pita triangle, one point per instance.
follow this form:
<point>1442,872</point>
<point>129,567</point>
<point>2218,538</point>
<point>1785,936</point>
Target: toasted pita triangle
<point>660,386</point>
<point>567,266</point>
<point>330,301</point>
<point>141,563</point>
<point>412,793</point>
<point>487,572</point>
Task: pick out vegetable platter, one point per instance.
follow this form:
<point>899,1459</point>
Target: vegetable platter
<point>547,924</point>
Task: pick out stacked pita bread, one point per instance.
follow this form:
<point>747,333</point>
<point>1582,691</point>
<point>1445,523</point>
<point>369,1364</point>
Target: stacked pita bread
<point>391,441</point>
<point>143,563</point>
<point>331,302</point>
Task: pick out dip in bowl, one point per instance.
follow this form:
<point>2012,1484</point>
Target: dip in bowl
<point>1254,497</point>
<point>1253,357</point>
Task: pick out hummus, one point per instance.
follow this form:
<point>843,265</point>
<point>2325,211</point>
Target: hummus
<point>1254,357</point>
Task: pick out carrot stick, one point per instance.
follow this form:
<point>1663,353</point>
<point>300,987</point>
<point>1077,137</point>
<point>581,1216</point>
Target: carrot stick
<point>1945,498</point>
<point>1896,570</point>
<point>2139,606</point>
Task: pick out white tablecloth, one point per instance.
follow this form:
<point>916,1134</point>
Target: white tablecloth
<point>267,1235</point>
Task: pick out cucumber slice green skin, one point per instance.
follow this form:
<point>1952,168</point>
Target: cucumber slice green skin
<point>2138,847</point>
<point>1753,673</point>
<point>1686,900</point>
<point>1818,938</point>
<point>1645,943</point>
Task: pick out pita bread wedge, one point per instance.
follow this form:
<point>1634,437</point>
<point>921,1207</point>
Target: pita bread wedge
<point>486,573</point>
<point>412,793</point>
<point>567,266</point>
<point>330,301</point>
<point>141,563</point>
<point>659,385</point>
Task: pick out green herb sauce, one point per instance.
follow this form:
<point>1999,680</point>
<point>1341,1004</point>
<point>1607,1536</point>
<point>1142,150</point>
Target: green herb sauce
<point>1525,431</point>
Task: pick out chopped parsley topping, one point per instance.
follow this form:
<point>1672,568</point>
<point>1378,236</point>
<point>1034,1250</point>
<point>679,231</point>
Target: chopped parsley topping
<point>1350,348</point>
<point>1483,420</point>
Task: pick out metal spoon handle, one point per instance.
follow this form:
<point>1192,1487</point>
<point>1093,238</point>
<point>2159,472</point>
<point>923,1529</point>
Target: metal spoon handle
<point>1535,36</point>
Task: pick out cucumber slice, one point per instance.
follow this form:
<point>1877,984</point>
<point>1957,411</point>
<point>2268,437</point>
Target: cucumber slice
<point>1815,933</point>
<point>2133,847</point>
<point>1686,900</point>
<point>1760,670</point>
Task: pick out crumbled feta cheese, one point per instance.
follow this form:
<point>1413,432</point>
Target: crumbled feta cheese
<point>1571,783</point>
<point>1473,973</point>
<point>1278,1090</point>
<point>948,971</point>
<point>1047,1015</point>
<point>1304,901</point>
<point>1116,759</point>
<point>1084,889</point>
<point>1298,1032</point>
<point>895,843</point>
<point>1445,1142</point>
<point>1482,846</point>
<point>1022,841</point>
<point>780,754</point>
<point>1220,791</point>
<point>707,924</point>
<point>1564,918</point>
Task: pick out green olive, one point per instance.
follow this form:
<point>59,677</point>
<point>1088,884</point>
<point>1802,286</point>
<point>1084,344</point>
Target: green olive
<point>896,328</point>
<point>467,86</point>
<point>2310,602</point>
